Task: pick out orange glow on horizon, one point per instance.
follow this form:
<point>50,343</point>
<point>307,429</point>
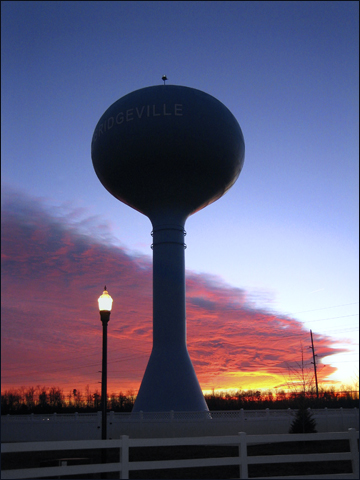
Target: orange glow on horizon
<point>232,344</point>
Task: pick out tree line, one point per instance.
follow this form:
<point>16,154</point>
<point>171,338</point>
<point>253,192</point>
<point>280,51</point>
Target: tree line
<point>257,400</point>
<point>50,400</point>
<point>54,400</point>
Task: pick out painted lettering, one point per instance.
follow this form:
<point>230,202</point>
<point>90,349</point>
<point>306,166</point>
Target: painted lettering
<point>110,123</point>
<point>165,112</point>
<point>129,114</point>
<point>178,109</point>
<point>119,118</point>
<point>139,114</point>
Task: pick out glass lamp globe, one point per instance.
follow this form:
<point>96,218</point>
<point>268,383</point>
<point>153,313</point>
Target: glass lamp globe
<point>105,301</point>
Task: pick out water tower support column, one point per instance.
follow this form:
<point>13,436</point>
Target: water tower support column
<point>170,381</point>
<point>169,315</point>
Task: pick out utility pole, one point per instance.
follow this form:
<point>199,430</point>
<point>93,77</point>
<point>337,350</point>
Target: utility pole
<point>314,362</point>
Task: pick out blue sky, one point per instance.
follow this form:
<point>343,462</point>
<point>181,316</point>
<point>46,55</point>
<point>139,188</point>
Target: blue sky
<point>287,231</point>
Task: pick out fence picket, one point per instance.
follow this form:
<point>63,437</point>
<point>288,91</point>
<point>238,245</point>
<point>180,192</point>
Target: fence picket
<point>353,436</point>
<point>243,464</point>
<point>124,456</point>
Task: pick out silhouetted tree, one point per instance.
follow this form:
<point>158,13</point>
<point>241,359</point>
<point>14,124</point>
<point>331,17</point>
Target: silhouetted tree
<point>78,399</point>
<point>113,401</point>
<point>43,400</point>
<point>56,398</point>
<point>301,378</point>
<point>30,398</point>
<point>10,401</point>
<point>88,398</point>
<point>97,400</point>
<point>121,400</point>
<point>304,421</point>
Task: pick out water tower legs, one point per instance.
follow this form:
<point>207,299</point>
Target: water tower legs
<point>169,382</point>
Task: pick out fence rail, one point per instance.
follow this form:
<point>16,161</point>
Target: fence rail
<point>241,440</point>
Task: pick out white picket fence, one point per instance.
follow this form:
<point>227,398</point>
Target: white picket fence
<point>242,460</point>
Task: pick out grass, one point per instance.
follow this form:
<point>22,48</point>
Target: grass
<point>36,459</point>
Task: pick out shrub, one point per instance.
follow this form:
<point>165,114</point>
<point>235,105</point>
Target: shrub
<point>304,421</point>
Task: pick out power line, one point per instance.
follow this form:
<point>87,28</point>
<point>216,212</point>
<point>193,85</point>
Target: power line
<point>128,357</point>
<point>295,335</point>
<point>57,361</point>
<point>62,369</point>
<point>348,353</point>
<point>331,318</point>
<point>326,308</point>
<point>346,329</point>
<point>98,354</point>
<point>346,361</point>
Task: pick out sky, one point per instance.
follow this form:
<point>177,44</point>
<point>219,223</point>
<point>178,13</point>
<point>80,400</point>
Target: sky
<point>276,256</point>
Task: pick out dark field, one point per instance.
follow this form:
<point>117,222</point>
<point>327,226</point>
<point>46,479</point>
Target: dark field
<point>36,459</point>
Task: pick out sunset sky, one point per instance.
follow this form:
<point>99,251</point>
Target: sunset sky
<point>272,259</point>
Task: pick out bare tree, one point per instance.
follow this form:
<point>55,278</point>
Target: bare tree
<point>88,397</point>
<point>300,379</point>
<point>97,400</point>
<point>30,397</point>
<point>56,397</point>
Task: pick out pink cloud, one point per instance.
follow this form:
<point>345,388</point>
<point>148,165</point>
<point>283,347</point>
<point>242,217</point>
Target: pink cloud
<point>52,275</point>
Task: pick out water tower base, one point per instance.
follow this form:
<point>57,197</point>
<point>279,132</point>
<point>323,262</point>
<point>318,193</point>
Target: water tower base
<point>170,383</point>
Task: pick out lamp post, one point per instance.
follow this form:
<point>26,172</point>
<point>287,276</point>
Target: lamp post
<point>105,304</point>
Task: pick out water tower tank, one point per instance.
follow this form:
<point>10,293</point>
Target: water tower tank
<point>168,151</point>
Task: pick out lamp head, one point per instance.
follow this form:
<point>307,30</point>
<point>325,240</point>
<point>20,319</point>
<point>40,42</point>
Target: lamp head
<point>105,301</point>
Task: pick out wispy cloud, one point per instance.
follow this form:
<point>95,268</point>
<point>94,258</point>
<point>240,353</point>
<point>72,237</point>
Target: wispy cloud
<point>53,270</point>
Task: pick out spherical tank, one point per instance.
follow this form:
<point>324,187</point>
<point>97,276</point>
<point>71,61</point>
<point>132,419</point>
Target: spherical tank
<point>167,147</point>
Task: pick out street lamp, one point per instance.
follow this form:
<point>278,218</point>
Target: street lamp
<point>105,304</point>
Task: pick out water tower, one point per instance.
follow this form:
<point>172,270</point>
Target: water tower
<point>168,151</point>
